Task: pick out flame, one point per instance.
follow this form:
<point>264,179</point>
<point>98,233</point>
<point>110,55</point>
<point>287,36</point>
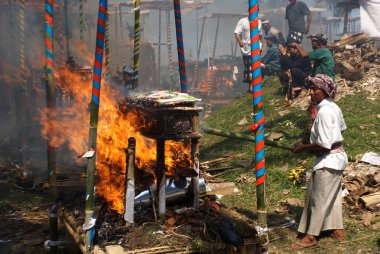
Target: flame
<point>71,126</point>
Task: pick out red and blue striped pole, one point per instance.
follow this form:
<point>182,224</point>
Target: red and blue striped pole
<point>258,126</point>
<point>180,46</point>
<point>50,91</point>
<point>94,107</point>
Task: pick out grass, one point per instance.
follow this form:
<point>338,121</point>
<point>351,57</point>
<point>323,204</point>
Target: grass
<point>362,117</point>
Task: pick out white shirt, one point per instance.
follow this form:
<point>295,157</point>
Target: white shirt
<point>327,130</point>
<point>242,28</point>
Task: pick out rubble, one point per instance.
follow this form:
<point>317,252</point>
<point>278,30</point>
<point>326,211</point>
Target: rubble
<point>357,65</point>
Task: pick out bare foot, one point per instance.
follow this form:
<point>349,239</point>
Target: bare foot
<point>308,241</point>
<point>338,234</point>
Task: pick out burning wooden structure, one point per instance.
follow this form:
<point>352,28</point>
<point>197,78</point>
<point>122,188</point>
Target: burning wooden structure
<point>171,116</point>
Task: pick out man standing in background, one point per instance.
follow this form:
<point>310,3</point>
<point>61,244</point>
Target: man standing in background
<point>295,13</point>
<point>242,36</point>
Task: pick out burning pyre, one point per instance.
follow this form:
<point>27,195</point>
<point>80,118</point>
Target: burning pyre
<point>115,126</point>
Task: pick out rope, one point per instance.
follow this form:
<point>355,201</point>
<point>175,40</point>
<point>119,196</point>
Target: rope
<point>170,51</point>
<point>196,67</point>
<point>136,46</point>
<point>257,92</point>
<point>180,46</point>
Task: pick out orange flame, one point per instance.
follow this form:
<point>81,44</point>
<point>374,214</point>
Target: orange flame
<point>70,124</point>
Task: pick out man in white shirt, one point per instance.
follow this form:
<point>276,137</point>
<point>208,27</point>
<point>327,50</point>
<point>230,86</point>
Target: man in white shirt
<point>323,206</point>
<point>242,35</point>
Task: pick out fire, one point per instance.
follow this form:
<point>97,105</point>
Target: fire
<point>71,127</point>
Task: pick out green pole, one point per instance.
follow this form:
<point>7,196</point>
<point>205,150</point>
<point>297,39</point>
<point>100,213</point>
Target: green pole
<point>89,223</point>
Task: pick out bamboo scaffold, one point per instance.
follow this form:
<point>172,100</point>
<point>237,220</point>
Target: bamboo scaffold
<point>258,126</point>
<point>94,111</point>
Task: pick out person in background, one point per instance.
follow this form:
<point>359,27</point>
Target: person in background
<point>271,30</point>
<point>295,69</point>
<point>242,36</point>
<point>270,62</point>
<point>323,206</point>
<point>295,14</point>
<point>322,57</point>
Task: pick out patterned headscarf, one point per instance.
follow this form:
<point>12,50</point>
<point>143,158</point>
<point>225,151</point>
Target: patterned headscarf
<point>324,83</point>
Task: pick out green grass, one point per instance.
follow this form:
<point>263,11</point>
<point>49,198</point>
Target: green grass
<point>362,117</point>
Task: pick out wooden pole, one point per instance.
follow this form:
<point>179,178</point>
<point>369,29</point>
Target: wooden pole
<point>130,181</point>
<point>257,95</point>
<point>94,111</point>
<point>345,21</point>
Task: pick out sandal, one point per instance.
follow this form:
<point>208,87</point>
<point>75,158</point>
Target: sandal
<point>300,246</point>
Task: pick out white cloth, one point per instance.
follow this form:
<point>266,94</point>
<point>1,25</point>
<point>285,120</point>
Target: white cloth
<point>327,130</point>
<point>370,17</point>
<point>242,28</point>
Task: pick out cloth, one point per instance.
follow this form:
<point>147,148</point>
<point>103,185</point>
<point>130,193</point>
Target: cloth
<point>295,37</point>
<point>295,15</point>
<point>247,67</point>
<point>323,62</point>
<point>242,28</point>
<point>274,31</point>
<point>326,131</point>
<point>323,204</point>
<point>272,57</point>
<point>323,82</point>
<point>370,17</point>
<point>296,61</point>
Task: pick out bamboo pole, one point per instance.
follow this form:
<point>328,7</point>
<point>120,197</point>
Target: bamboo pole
<point>50,92</point>
<point>180,46</point>
<point>159,50</point>
<point>258,110</point>
<point>94,109</point>
<point>136,46</point>
<point>196,67</point>
<point>240,136</point>
<point>169,44</point>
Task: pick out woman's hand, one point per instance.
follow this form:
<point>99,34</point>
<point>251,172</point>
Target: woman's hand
<point>298,147</point>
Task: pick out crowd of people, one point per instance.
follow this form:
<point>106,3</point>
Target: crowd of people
<point>303,73</point>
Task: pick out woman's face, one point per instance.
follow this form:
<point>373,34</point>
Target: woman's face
<point>317,95</point>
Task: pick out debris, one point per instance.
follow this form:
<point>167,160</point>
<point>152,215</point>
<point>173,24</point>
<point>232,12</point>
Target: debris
<point>243,121</point>
<point>297,175</point>
<point>371,200</point>
<point>220,188</point>
<point>367,218</point>
<point>228,233</point>
<point>286,191</point>
<point>293,201</point>
<point>275,136</point>
<point>371,158</point>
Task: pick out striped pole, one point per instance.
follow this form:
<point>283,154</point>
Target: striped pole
<point>180,46</point>
<point>136,45</point>
<point>107,48</point>
<point>81,21</point>
<point>94,109</point>
<point>258,126</point>
<point>50,90</point>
